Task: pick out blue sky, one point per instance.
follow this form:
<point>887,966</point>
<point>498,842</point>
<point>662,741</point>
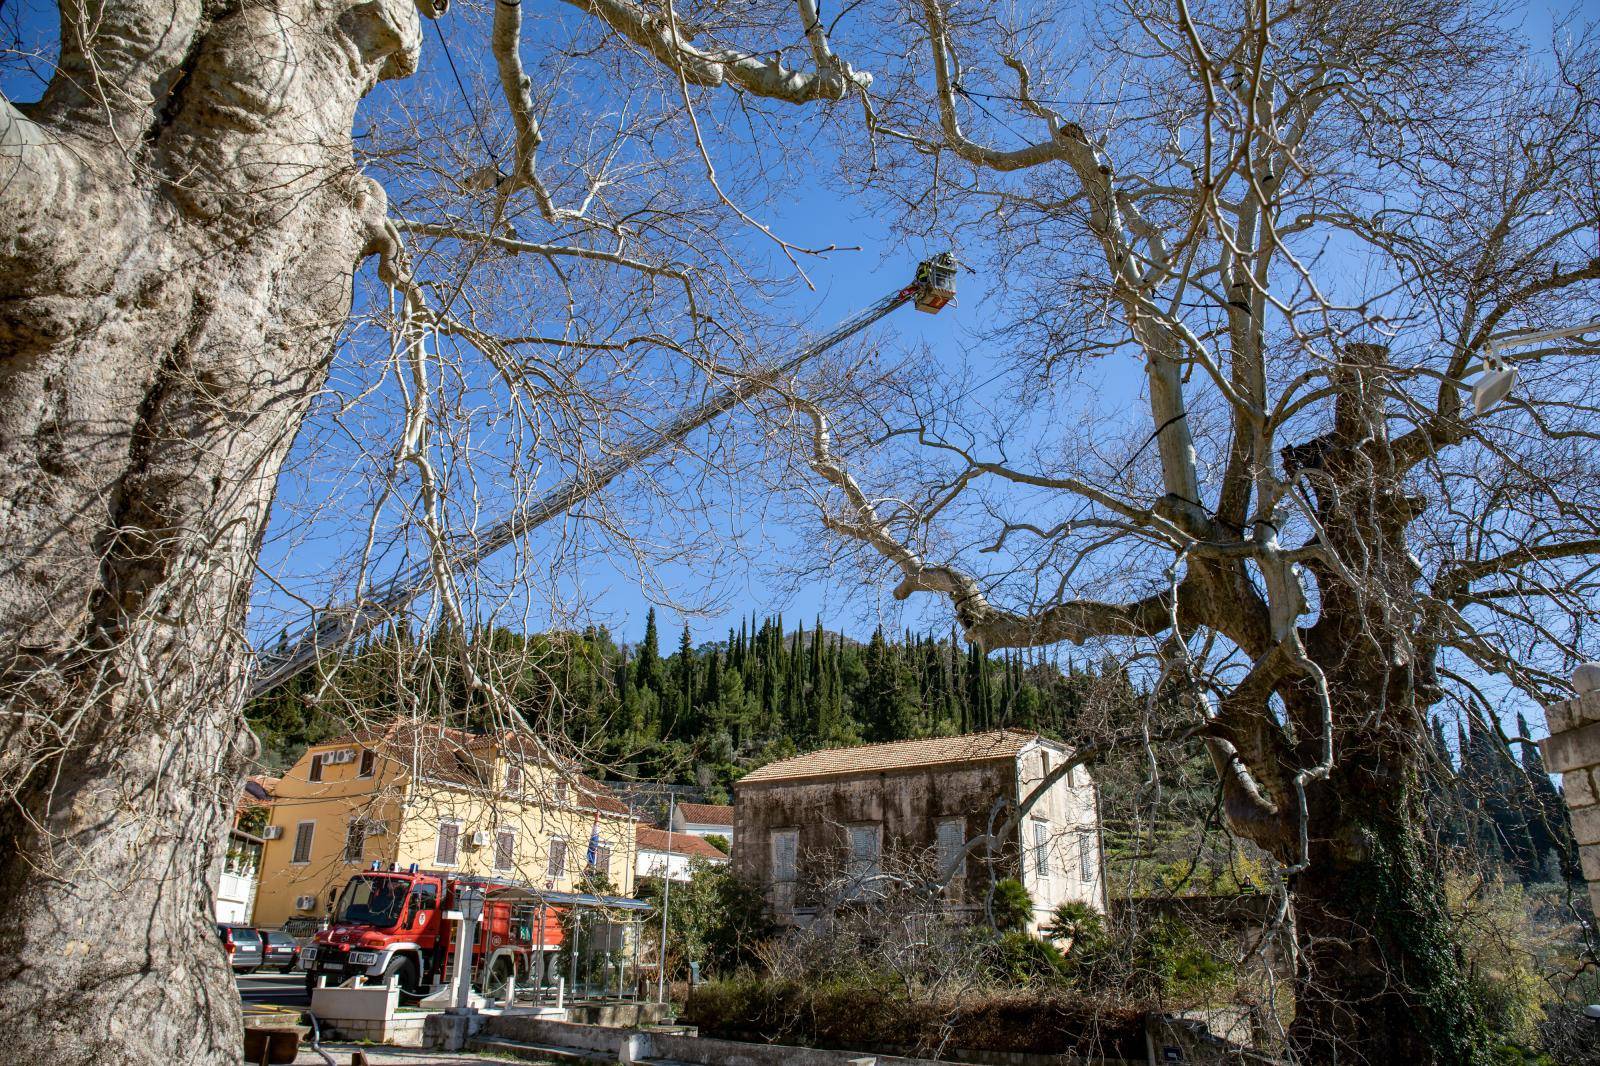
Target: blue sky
<point>846,281</point>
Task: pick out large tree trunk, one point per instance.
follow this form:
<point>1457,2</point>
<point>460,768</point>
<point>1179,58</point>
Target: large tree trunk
<point>180,225</point>
<point>1379,978</point>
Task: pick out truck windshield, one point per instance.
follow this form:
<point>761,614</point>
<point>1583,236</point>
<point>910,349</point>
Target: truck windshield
<point>374,901</point>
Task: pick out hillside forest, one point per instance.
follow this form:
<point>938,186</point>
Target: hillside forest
<point>704,714</point>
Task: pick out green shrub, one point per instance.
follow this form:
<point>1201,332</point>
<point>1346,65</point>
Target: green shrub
<point>716,919</point>
<point>1080,927</point>
<point>1010,905</point>
<point>1174,963</point>
<point>1020,959</point>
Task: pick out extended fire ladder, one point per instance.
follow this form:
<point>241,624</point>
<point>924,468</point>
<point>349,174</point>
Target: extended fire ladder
<point>932,288</point>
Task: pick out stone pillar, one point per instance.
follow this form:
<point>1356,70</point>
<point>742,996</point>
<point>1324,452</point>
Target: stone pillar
<point>1573,750</point>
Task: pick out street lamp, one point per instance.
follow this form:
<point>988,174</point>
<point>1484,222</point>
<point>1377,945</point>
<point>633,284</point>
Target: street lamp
<point>1500,377</point>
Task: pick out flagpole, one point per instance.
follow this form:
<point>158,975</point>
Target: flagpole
<point>666,899</point>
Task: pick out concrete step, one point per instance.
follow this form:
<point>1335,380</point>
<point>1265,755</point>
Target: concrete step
<point>521,1049</point>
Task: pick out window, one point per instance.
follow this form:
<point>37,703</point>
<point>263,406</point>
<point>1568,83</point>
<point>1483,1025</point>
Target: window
<point>950,837</point>
<point>1086,850</point>
<point>448,845</point>
<point>369,763</point>
<point>561,791</point>
<point>602,860</point>
<point>355,838</point>
<point>424,897</point>
<point>315,774</point>
<point>377,901</point>
<point>558,858</point>
<point>1044,764</point>
<point>863,852</point>
<point>505,849</point>
<point>302,842</point>
<point>785,843</point>
<point>513,777</point>
<point>1041,848</point>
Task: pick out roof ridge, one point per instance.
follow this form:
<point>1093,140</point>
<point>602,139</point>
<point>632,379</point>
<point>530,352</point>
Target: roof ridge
<point>912,740</point>
<point>883,756</point>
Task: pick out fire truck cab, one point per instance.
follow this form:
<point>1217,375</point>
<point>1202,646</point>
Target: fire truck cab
<point>395,925</point>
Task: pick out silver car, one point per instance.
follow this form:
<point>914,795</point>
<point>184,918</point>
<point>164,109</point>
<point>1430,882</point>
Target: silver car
<point>243,945</point>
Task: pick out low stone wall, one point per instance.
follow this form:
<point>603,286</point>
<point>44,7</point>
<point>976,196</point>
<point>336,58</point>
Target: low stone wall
<point>403,1030</point>
<point>1168,1035</point>
<point>626,1014</point>
<point>629,1045</point>
<point>1573,750</point>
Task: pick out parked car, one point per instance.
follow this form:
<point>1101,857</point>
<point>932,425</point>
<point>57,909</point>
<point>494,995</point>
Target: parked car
<point>243,945</point>
<point>279,949</point>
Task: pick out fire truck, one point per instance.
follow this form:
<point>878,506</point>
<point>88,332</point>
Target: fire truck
<point>395,925</point>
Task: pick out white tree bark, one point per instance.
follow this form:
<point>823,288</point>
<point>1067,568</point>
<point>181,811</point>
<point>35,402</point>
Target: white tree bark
<point>178,236</point>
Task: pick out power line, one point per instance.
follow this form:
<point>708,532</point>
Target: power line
<point>445,43</point>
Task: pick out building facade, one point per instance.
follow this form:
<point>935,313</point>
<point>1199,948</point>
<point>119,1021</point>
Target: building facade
<point>234,895</point>
<point>443,799</point>
<point>672,855</point>
<point>704,820</point>
<point>830,823</point>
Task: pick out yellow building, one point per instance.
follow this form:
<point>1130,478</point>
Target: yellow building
<point>444,799</point>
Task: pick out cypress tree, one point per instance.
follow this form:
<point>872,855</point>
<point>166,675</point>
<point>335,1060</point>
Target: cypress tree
<point>685,686</point>
<point>712,689</point>
<point>648,672</point>
<point>815,670</point>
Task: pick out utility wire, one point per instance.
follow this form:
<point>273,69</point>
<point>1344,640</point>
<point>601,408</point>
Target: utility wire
<point>472,111</point>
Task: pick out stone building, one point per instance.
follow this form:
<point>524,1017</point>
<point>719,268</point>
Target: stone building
<point>812,827</point>
<point>1573,750</point>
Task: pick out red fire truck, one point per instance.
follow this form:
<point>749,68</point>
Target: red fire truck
<point>393,925</point>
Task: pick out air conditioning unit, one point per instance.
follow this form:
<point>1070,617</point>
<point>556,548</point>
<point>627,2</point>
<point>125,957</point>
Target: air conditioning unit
<point>343,755</point>
<point>272,832</point>
<point>376,829</point>
<point>305,903</point>
<point>481,838</point>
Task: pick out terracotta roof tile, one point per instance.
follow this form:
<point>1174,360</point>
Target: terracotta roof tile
<point>594,794</point>
<point>652,839</point>
<point>896,755</point>
<point>707,813</point>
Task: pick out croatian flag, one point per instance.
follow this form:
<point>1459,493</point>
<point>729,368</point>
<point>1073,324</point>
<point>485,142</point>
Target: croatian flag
<point>594,842</point>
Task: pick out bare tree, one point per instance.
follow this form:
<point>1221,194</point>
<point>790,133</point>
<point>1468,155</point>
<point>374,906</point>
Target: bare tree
<point>1306,224</point>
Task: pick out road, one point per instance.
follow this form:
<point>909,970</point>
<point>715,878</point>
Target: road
<point>285,990</point>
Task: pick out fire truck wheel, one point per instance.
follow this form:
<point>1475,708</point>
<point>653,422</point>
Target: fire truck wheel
<point>502,974</point>
<point>403,972</point>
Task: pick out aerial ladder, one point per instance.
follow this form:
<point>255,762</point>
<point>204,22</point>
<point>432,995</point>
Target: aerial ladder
<point>334,628</point>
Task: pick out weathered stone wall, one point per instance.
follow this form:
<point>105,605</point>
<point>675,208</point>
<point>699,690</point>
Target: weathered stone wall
<point>907,804</point>
<point>1573,750</point>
